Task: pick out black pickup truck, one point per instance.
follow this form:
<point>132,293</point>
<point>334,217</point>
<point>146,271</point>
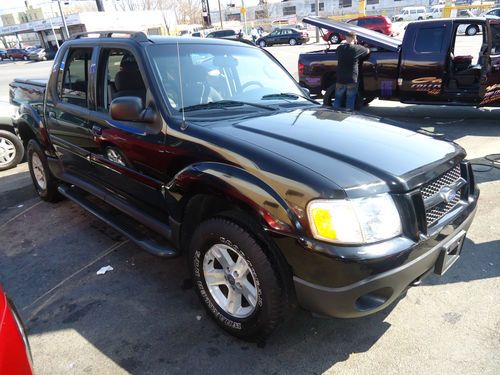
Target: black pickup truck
<point>209,148</point>
<point>433,64</point>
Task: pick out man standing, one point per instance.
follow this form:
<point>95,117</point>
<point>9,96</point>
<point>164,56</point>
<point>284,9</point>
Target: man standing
<point>348,54</point>
<point>254,33</point>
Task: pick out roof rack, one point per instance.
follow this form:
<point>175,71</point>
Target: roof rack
<point>136,35</point>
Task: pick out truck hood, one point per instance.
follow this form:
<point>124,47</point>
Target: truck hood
<point>352,151</point>
<point>364,35</point>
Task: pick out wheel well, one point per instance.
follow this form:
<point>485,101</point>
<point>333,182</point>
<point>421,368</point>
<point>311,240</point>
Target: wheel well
<point>25,132</point>
<point>204,206</point>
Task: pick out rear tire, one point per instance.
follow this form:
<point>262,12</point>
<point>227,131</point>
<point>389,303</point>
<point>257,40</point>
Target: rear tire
<point>334,39</point>
<point>229,265</point>
<point>43,180</point>
<point>25,58</point>
<point>11,58</point>
<point>292,42</point>
<point>262,43</point>
<point>11,150</point>
<point>329,96</point>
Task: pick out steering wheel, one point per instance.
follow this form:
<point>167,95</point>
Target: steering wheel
<point>251,83</point>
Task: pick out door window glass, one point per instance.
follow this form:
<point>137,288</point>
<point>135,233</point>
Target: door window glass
<point>75,79</point>
<point>430,40</point>
<point>119,76</point>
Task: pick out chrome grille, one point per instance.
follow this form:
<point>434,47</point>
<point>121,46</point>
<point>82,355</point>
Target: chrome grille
<point>435,213</point>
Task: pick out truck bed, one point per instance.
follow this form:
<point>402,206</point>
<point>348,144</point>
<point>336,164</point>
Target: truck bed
<point>26,90</point>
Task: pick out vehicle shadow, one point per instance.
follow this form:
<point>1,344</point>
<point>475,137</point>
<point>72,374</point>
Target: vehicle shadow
<point>439,121</point>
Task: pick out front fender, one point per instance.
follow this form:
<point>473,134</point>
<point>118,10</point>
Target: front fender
<point>239,186</point>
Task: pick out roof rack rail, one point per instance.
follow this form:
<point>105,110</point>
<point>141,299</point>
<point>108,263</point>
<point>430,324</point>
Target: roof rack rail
<point>136,35</point>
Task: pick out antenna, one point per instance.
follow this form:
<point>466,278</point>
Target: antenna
<point>183,125</point>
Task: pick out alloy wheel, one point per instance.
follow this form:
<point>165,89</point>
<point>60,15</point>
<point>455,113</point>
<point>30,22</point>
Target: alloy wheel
<point>7,151</point>
<point>231,282</point>
<point>39,171</point>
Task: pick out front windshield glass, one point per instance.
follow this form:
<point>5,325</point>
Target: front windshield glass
<point>211,74</point>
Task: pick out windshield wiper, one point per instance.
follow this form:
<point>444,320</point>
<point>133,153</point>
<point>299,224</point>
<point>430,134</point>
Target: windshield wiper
<point>287,95</point>
<point>221,104</point>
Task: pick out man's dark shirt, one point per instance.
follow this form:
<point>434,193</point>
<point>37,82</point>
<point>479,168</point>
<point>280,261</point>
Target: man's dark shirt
<point>348,57</point>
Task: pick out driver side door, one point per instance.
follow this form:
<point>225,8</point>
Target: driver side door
<point>129,157</point>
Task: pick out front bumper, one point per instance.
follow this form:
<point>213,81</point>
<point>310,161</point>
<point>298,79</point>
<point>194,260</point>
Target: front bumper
<point>376,292</point>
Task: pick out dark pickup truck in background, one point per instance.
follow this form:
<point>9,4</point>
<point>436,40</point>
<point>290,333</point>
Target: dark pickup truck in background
<point>426,67</point>
<point>209,148</point>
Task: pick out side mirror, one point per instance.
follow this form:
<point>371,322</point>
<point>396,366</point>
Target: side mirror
<point>306,91</point>
<point>130,108</point>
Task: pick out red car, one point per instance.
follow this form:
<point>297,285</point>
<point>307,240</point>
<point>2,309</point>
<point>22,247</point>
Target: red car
<point>15,354</point>
<point>381,24</point>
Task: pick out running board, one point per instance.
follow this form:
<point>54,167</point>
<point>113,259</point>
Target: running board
<point>121,226</point>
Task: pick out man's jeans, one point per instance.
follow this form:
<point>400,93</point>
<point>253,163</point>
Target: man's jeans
<point>348,92</point>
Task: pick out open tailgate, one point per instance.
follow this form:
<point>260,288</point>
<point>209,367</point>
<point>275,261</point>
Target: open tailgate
<point>364,35</point>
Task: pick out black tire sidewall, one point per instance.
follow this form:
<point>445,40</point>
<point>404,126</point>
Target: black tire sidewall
<point>18,145</point>
<point>50,193</point>
<point>219,230</point>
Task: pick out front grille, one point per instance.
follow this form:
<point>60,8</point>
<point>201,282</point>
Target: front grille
<point>435,213</point>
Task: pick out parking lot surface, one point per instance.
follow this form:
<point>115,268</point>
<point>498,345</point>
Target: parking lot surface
<point>143,317</point>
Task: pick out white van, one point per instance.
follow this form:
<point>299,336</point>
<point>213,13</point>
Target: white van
<point>436,11</point>
<point>411,14</point>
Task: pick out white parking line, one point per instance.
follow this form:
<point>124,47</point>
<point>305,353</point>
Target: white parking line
<point>100,256</point>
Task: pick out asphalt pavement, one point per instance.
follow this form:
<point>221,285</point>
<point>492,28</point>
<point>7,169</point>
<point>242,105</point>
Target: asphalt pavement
<point>143,317</point>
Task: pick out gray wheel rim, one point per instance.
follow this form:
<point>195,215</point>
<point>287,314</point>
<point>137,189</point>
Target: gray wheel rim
<point>38,171</point>
<point>230,280</point>
<point>334,39</point>
<point>471,31</point>
<point>293,42</point>
<point>262,43</point>
<point>7,151</point>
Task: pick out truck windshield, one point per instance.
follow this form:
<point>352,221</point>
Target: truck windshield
<point>211,73</point>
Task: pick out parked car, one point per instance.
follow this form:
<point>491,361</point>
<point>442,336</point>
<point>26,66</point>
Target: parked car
<point>230,34</point>
<point>492,13</point>
<point>3,54</point>
<point>411,14</point>
<point>284,35</point>
<point>17,54</point>
<point>273,198</point>
<point>423,68</point>
<point>15,353</point>
<point>381,24</point>
<point>11,147</point>
<point>42,54</point>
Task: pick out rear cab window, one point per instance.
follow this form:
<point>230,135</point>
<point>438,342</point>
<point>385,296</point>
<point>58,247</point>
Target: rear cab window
<point>430,40</point>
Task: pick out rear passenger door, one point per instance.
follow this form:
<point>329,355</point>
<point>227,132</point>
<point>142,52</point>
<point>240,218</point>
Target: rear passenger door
<point>423,62</point>
<point>126,158</point>
<point>67,113</point>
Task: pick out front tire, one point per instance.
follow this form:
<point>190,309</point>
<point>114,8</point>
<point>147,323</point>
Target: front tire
<point>11,150</point>
<point>25,58</point>
<point>471,30</point>
<point>262,43</point>
<point>43,180</point>
<point>236,280</point>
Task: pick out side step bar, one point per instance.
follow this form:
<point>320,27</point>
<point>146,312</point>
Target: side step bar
<point>151,246</point>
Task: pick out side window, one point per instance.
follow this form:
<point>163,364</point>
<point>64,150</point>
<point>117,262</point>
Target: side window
<point>429,40</point>
<point>75,77</point>
<point>119,75</point>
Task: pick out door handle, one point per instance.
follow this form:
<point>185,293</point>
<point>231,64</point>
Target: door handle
<point>97,130</point>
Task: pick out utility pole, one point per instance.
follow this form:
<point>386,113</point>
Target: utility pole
<point>317,14</point>
<point>63,19</point>
<point>220,15</point>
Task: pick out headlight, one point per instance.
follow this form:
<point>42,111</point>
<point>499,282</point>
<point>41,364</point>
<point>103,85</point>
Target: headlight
<point>355,221</point>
